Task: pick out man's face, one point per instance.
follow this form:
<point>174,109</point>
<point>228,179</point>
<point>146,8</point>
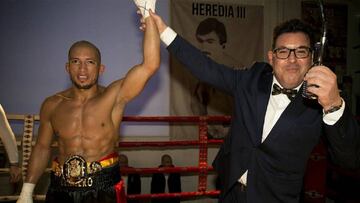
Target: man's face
<point>83,67</point>
<point>166,161</point>
<point>291,71</point>
<point>210,44</point>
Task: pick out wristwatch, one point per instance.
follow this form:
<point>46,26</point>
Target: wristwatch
<point>334,108</point>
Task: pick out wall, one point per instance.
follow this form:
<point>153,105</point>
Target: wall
<point>353,54</point>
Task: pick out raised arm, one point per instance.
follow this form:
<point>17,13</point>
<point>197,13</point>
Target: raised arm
<point>341,128</point>
<point>40,153</point>
<point>137,77</point>
<point>195,61</point>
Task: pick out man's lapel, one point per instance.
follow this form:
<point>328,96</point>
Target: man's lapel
<point>264,85</point>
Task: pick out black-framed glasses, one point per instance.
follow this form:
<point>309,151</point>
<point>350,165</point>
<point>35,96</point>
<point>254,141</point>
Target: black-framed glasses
<point>300,52</point>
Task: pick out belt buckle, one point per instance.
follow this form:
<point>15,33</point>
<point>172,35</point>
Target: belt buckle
<point>74,171</point>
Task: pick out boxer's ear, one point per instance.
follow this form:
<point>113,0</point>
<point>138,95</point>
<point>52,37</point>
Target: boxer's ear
<point>101,69</point>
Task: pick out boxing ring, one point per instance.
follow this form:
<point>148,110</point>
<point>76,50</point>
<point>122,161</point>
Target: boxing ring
<point>313,191</point>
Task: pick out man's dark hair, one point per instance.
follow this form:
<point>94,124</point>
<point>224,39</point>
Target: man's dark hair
<point>212,24</point>
<point>84,43</point>
<point>293,26</point>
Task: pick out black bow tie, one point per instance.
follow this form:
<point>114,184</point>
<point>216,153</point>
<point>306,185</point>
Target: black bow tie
<point>290,93</point>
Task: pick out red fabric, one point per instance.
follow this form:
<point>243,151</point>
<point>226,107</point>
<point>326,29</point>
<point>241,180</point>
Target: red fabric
<point>109,156</point>
<point>112,155</point>
<point>120,192</point>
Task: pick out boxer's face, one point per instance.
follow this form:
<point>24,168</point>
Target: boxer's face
<point>84,67</point>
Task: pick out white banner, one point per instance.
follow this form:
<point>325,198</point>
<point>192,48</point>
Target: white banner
<point>230,34</point>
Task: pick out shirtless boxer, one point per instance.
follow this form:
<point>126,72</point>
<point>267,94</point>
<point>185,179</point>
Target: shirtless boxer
<point>85,121</point>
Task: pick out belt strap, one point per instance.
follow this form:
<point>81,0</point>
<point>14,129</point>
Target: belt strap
<point>105,178</point>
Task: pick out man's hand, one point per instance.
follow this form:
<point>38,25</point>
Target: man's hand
<point>327,90</point>
<point>158,21</point>
<point>15,173</point>
<point>26,193</point>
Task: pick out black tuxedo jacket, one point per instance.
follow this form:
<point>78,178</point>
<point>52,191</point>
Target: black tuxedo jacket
<point>276,166</point>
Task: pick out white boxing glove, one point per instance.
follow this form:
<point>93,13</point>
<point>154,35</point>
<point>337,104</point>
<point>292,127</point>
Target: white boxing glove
<point>145,6</point>
<point>26,193</point>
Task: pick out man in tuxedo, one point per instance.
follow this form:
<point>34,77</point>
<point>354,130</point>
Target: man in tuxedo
<point>273,128</point>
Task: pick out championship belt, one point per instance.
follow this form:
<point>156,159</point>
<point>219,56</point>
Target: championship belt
<point>76,171</point>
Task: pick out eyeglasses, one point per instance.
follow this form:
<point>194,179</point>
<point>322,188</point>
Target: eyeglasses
<point>300,52</point>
